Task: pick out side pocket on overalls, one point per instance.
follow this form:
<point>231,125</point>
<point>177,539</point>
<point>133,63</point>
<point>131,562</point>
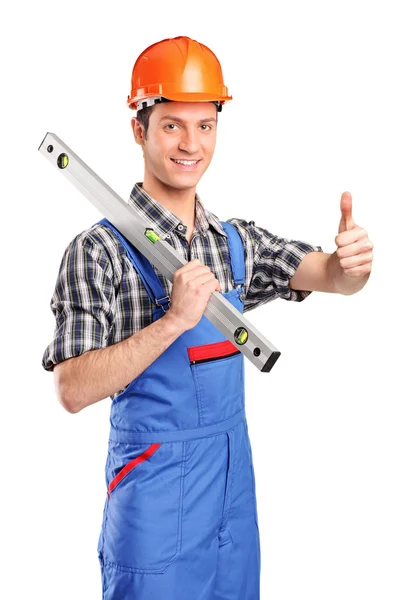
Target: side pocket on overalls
<point>142,531</point>
<point>253,477</point>
<point>101,535</point>
<point>254,494</point>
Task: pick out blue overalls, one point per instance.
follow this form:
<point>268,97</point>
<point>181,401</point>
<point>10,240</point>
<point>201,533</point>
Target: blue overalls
<point>180,516</point>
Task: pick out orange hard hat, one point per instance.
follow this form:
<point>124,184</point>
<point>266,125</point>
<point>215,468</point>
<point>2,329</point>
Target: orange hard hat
<point>179,69</point>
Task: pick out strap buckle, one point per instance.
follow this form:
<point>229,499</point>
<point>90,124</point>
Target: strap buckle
<point>159,302</point>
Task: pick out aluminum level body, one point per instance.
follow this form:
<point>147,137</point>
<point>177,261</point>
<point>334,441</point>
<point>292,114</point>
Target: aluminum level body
<point>241,332</point>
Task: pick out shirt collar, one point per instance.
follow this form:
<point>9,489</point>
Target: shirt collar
<point>163,220</point>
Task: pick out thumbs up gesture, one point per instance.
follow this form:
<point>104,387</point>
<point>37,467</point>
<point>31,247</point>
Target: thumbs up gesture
<point>354,248</point>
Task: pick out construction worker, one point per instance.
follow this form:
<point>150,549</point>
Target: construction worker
<point>180,516</point>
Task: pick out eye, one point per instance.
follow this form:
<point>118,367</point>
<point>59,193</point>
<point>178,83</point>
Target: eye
<point>169,126</point>
<point>204,125</point>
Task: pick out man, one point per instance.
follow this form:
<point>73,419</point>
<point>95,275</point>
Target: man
<point>180,516</point>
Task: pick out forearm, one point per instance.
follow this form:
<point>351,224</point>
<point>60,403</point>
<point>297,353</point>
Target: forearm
<point>97,374</point>
<point>342,283</point>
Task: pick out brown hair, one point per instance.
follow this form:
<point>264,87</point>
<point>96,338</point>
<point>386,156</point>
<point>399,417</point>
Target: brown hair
<point>143,116</point>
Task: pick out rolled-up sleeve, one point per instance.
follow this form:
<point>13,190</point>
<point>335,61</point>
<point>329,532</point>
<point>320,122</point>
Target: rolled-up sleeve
<point>271,261</point>
<point>83,302</point>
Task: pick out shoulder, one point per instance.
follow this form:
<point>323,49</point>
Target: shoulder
<point>248,228</point>
<point>247,231</point>
<point>101,236</point>
<point>244,227</point>
<point>99,244</point>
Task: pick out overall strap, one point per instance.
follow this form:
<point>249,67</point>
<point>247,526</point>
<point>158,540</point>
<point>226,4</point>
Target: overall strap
<point>150,279</point>
<point>236,251</point>
<point>143,267</point>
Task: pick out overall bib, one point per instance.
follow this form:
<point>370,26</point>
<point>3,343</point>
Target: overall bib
<point>180,517</point>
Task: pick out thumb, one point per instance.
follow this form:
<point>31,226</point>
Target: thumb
<point>346,221</point>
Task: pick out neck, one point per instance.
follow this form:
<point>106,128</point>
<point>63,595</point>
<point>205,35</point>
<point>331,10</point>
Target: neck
<point>179,202</point>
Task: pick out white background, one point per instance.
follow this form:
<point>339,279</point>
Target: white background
<point>315,112</point>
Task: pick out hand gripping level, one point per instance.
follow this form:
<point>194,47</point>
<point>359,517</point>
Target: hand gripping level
<point>160,253</point>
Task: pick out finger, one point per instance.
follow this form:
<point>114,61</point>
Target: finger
<point>356,261</point>
<point>196,283</point>
<point>346,206</point>
<point>187,267</point>
<point>362,245</point>
<point>203,278</point>
<point>212,287</point>
<point>192,271</point>
<point>351,236</point>
<point>192,264</point>
<point>358,271</point>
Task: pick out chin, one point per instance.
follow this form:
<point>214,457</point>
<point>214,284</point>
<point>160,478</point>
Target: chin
<point>183,183</point>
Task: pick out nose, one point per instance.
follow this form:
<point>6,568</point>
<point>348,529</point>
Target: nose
<point>189,141</point>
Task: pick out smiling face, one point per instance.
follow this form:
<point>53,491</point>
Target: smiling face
<point>179,145</point>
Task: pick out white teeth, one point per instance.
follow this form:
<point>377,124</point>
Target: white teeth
<point>185,162</point>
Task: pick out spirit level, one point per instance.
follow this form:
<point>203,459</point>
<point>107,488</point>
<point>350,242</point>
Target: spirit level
<point>160,253</point>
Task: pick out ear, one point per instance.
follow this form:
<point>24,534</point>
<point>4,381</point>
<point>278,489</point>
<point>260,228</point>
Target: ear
<point>138,131</point>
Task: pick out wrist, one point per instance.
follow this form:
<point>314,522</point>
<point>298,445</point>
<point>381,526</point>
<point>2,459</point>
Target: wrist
<point>174,322</point>
<point>344,284</point>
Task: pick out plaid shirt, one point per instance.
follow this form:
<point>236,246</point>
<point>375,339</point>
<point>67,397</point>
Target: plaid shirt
<point>99,299</point>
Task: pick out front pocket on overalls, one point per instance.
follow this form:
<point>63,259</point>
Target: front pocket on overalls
<point>131,465</point>
<point>218,374</point>
<point>142,530</point>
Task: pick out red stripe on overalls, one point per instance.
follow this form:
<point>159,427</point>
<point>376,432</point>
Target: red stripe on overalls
<point>131,465</point>
<point>217,350</point>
